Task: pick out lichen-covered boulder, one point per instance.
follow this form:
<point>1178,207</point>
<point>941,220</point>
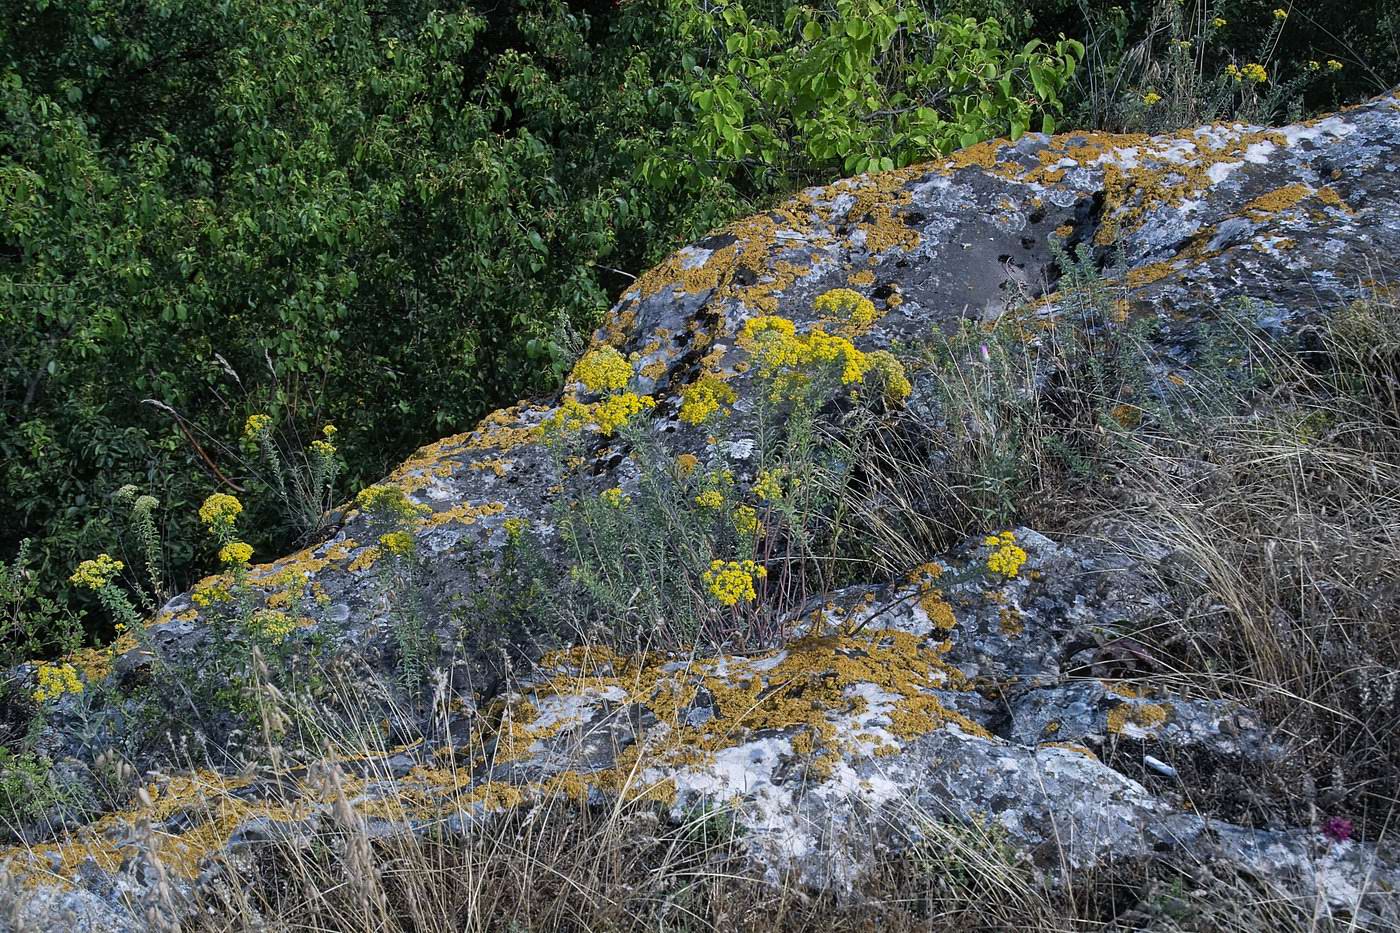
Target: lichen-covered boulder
<point>971,693</point>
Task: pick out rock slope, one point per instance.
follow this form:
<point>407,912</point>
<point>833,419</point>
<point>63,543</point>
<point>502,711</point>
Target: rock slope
<point>945,697</point>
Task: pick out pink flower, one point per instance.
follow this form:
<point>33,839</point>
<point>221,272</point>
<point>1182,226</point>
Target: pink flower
<point>1337,828</point>
<point>986,354</point>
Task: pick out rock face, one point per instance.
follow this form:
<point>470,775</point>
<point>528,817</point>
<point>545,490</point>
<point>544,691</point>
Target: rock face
<point>948,697</point>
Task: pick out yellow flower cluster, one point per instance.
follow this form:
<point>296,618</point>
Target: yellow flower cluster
<point>398,543</point>
<point>1251,72</point>
<point>746,521</point>
<point>273,624</point>
<point>209,591</point>
<point>890,370</point>
<point>328,431</point>
<point>323,449</point>
<point>617,410</point>
<point>256,426</point>
<point>1218,22</point>
<point>385,501</point>
<point>1006,557</point>
<point>96,573</point>
<point>1333,65</point>
<point>710,499</point>
<point>851,311</point>
<point>54,680</point>
<point>603,370</point>
<point>769,484</point>
<point>236,552</point>
<point>703,397</point>
<point>515,529</point>
<point>782,355</point>
<point>220,510</point>
<point>686,463</point>
<point>1280,14</point>
<point>572,415</point>
<point>1151,98</point>
<point>614,498</point>
<point>731,582</point>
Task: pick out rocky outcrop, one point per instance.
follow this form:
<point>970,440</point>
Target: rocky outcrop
<point>960,695</point>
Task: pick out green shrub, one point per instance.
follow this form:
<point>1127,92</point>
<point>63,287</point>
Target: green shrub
<point>857,85</point>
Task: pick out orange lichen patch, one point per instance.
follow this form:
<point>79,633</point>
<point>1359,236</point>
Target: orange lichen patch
<point>1010,621</point>
<point>983,154</point>
<point>428,462</point>
<point>341,550</point>
<point>463,514</point>
<point>365,559</point>
<point>1122,688</point>
<point>653,370</point>
<point>503,429</point>
<point>931,599</point>
<point>205,796</point>
<point>1140,173</point>
<point>292,570</point>
<point>864,277</point>
<point>763,296</point>
<point>873,213</point>
<point>1288,196</point>
<point>803,690</point>
<point>809,691</point>
<point>1142,715</point>
<point>1128,416</point>
<point>94,664</point>
<point>497,465</point>
<point>1279,199</point>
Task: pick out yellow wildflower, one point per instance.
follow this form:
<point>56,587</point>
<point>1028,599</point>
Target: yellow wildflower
<point>388,502</point>
<point>779,352</point>
<point>54,680</point>
<point>96,573</point>
<point>710,499</point>
<point>1232,71</point>
<point>614,498</point>
<point>236,552</point>
<point>703,397</point>
<point>220,510</point>
<point>1006,557</point>
<point>1333,65</point>
<point>1314,65</point>
<point>732,582</point>
<point>1217,22</point>
<point>323,449</point>
<point>328,431</point>
<point>617,410</point>
<point>569,417</point>
<point>273,624</point>
<point>256,426</point>
<point>1280,14</point>
<point>891,371</point>
<point>1151,98</point>
<point>851,311</point>
<point>603,370</point>
<point>1254,72</point>
<point>746,521</point>
<point>398,543</point>
<point>209,591</point>
<point>769,484</point>
<point>687,463</point>
<point>515,529</point>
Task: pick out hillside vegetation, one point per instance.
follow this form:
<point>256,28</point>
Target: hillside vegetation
<point>396,216</point>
